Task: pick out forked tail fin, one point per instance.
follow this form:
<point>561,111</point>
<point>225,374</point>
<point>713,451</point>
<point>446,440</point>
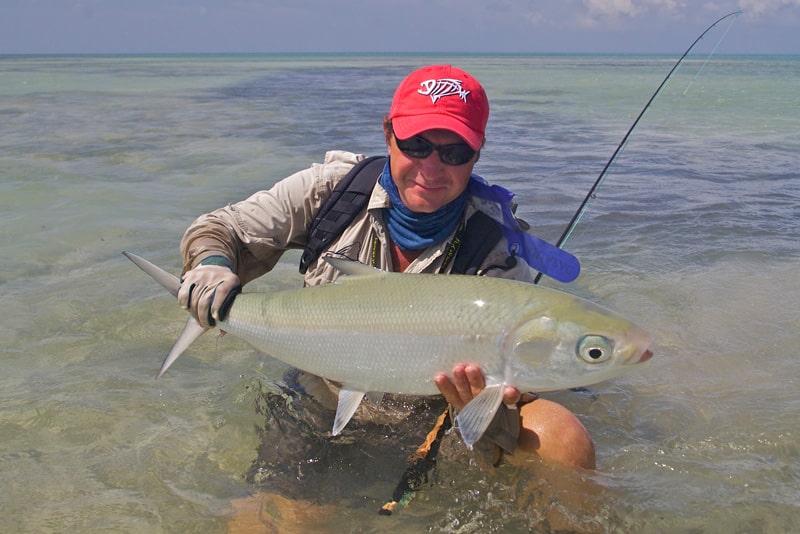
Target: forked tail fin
<point>191,331</point>
<point>171,283</point>
<point>168,281</point>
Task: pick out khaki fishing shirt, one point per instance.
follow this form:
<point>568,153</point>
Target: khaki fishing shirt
<point>255,232</point>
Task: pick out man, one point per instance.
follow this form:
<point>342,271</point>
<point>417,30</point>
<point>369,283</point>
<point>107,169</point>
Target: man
<point>434,132</point>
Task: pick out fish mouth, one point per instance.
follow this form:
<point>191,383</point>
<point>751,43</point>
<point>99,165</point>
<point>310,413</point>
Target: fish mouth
<point>646,355</point>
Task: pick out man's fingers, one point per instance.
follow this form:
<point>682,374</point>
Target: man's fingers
<point>448,390</point>
<point>475,378</point>
<point>467,381</point>
<point>511,396</point>
<point>222,313</point>
<point>445,386</point>
<point>221,299</point>
<point>204,299</point>
<point>462,383</point>
<point>185,294</point>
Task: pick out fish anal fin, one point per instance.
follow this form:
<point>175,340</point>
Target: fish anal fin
<point>474,418</point>
<point>348,404</point>
<point>375,397</point>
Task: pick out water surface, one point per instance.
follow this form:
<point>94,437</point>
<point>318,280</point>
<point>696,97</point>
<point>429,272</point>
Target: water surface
<point>694,234</point>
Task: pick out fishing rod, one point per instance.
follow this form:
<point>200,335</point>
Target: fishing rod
<point>424,459</point>
<point>592,190</point>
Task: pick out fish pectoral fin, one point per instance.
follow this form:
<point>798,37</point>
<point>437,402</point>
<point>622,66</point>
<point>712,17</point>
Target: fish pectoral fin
<point>190,333</point>
<point>474,418</point>
<point>375,397</point>
<point>348,403</point>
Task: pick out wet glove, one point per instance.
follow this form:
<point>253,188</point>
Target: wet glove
<point>208,290</point>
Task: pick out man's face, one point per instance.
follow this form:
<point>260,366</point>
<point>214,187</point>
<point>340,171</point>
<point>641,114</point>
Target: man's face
<point>427,184</point>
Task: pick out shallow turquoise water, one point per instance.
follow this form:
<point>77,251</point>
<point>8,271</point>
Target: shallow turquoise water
<point>694,234</point>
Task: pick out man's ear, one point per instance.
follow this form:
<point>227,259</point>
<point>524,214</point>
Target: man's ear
<point>478,154</point>
<point>387,131</point>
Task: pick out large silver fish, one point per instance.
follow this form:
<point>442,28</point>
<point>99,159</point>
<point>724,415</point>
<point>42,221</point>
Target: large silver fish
<point>376,332</point>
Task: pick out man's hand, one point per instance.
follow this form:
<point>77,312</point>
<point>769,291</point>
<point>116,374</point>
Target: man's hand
<point>467,382</point>
<point>207,291</point>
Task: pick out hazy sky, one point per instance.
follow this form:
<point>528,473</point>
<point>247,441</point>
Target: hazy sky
<point>535,26</point>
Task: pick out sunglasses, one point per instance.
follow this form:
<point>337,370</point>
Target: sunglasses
<point>419,147</point>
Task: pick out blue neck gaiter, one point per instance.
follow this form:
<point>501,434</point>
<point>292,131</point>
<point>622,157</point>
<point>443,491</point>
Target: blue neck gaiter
<point>417,231</point>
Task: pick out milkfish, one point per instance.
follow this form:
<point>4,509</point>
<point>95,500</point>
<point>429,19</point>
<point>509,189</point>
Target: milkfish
<point>376,332</point>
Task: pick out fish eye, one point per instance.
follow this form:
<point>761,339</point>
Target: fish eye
<point>594,349</point>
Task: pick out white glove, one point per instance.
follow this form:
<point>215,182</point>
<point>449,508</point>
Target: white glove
<point>207,292</point>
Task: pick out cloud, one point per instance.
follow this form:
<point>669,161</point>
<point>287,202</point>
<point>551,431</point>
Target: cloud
<point>765,7</point>
<point>616,13</point>
<point>631,8</point>
<point>612,8</point>
<point>616,9</point>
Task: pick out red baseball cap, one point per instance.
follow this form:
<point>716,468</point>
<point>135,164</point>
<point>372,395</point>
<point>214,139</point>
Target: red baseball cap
<point>440,97</point>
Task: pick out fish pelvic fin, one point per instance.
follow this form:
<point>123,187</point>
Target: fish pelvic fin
<point>190,333</point>
<point>348,404</point>
<point>168,281</point>
<point>474,418</point>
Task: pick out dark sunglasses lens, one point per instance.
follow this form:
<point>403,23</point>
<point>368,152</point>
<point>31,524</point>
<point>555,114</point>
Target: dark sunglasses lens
<point>416,147</point>
<point>456,154</point>
<point>419,147</point>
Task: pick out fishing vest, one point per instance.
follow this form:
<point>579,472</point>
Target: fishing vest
<point>471,245</point>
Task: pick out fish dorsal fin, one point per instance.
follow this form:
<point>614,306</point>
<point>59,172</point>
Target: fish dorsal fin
<point>348,403</point>
<point>474,418</point>
<point>191,331</point>
<point>351,267</point>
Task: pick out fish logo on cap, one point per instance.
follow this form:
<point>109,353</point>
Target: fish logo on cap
<point>437,89</point>
<point>465,111</point>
